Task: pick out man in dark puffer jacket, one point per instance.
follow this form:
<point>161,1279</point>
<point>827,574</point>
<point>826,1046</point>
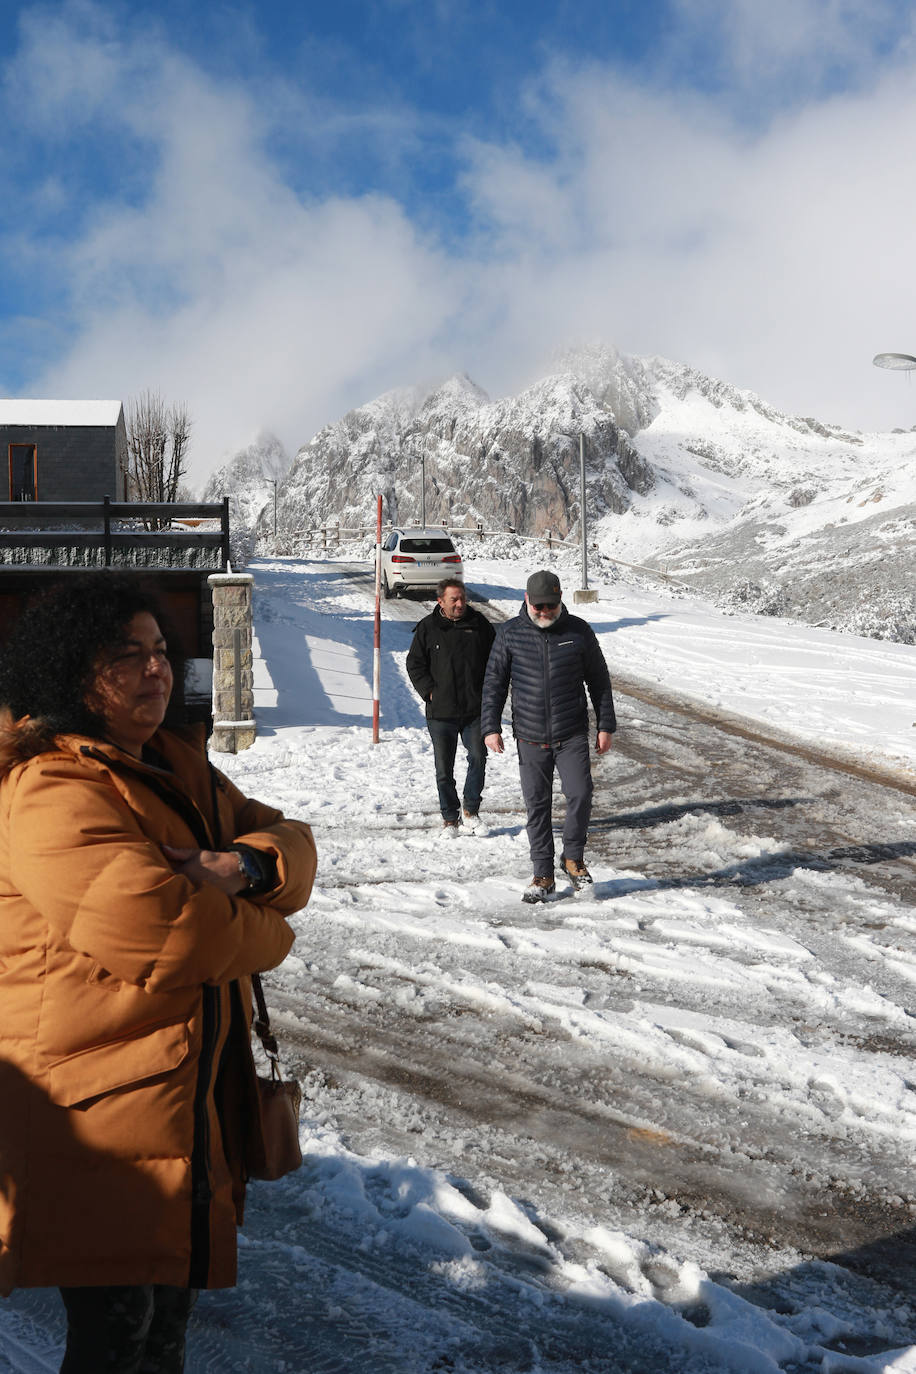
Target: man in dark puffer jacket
<point>446,663</point>
<point>549,658</point>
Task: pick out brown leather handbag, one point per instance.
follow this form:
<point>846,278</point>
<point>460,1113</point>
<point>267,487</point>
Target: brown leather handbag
<point>279,1099</point>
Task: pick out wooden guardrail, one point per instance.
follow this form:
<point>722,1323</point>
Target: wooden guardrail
<point>548,538</point>
<point>332,532</point>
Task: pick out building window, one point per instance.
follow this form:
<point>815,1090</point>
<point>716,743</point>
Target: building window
<point>23,472</point>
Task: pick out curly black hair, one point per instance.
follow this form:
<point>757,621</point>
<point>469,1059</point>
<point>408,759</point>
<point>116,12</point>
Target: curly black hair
<point>50,659</point>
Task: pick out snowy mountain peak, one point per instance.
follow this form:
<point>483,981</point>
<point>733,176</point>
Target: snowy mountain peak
<point>245,475</point>
<point>460,389</point>
<point>512,462</point>
<point>620,383</point>
<point>682,470</point>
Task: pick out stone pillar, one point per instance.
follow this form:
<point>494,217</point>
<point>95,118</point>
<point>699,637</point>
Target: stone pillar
<point>233,678</point>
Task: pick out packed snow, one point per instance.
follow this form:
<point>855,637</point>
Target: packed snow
<point>439,1235</point>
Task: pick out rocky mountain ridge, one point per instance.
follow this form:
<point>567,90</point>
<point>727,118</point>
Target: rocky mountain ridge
<point>251,479</point>
<point>684,473</point>
<point>510,463</point>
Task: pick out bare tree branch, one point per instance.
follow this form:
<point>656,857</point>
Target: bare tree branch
<point>157,447</point>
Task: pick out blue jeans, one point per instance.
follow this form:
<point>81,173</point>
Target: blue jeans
<point>536,764</point>
<point>445,735</point>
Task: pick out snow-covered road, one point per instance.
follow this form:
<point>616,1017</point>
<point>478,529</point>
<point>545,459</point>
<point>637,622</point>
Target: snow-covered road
<point>670,1128</point>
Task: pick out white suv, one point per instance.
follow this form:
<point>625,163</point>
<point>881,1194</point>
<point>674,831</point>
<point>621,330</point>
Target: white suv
<point>418,558</point>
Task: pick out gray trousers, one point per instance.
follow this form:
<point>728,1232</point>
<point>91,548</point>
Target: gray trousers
<point>536,764</point>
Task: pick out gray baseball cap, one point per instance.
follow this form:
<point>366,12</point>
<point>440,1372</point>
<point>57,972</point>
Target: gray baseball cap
<point>544,587</point>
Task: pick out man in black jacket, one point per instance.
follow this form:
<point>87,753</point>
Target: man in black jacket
<point>549,658</point>
<point>446,664</point>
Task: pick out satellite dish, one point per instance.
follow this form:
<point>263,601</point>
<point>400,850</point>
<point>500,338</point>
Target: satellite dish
<point>895,362</point>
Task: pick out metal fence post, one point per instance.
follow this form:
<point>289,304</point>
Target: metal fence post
<point>224,530</point>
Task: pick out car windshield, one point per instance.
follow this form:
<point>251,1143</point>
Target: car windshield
<point>433,545</point>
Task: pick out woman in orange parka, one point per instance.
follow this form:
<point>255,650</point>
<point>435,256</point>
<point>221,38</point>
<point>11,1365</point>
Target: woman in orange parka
<point>139,890</point>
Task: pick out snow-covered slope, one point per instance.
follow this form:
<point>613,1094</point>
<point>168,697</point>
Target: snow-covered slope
<point>774,513</point>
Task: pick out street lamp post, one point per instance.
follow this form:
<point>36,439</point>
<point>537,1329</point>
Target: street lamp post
<point>895,362</point>
<point>583,593</point>
<point>423,487</point>
<point>583,531</point>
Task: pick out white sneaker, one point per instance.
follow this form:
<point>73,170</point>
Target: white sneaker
<point>472,821</point>
<point>451,830</point>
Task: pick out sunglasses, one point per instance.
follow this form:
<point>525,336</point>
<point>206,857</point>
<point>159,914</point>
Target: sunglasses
<point>545,605</point>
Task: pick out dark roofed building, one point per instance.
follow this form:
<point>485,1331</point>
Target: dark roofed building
<point>62,450</point>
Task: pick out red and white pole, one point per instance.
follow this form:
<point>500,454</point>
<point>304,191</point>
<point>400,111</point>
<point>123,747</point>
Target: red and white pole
<point>377,649</point>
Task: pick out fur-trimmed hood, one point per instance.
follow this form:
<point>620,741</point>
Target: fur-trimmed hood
<point>20,740</point>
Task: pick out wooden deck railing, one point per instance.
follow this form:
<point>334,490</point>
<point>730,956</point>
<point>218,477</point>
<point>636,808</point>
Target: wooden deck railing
<point>71,518</point>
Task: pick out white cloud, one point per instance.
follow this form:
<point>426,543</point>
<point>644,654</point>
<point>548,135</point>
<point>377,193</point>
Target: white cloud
<point>74,59</point>
<point>779,259</point>
<point>223,287</point>
<point>795,48</point>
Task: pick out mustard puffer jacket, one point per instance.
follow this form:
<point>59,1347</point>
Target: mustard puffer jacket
<point>126,1076</point>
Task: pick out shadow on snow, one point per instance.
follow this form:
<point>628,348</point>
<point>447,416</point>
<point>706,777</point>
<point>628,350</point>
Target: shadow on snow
<point>316,680</point>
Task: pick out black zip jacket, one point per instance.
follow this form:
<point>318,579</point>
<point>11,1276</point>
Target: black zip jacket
<point>446,663</point>
<point>548,671</point>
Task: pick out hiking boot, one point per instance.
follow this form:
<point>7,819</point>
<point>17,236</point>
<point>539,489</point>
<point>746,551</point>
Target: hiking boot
<point>540,889</point>
<point>576,872</point>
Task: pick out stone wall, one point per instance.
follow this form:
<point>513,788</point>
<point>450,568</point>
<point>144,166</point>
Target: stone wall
<point>233,676</point>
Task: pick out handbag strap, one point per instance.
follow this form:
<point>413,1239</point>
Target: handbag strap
<point>262,1024</point>
<point>262,1020</point>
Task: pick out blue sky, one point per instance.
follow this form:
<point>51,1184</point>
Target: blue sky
<point>274,211</point>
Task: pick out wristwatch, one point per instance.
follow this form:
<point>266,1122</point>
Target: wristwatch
<point>250,870</point>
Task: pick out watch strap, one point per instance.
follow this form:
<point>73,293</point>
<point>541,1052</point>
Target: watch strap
<point>255,872</point>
